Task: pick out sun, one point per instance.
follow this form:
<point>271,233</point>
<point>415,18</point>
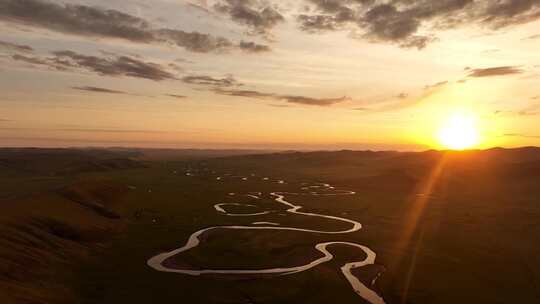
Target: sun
<point>459,132</point>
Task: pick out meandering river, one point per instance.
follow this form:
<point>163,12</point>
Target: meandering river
<point>360,288</point>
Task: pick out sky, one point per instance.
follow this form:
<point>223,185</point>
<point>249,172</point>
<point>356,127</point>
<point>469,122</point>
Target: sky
<point>302,74</point>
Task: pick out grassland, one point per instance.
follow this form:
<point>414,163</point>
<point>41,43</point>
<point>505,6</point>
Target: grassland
<point>456,227</point>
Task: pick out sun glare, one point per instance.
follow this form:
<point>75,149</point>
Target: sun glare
<point>459,132</point>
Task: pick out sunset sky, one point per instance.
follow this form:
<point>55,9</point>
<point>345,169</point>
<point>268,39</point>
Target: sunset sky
<point>302,74</point>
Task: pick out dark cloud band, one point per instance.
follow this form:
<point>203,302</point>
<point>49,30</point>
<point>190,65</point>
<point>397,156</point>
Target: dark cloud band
<point>98,90</point>
<point>401,21</point>
<point>85,20</point>
<point>204,80</point>
<point>287,98</point>
<point>260,18</point>
<point>114,65</point>
<point>15,47</point>
<point>495,71</point>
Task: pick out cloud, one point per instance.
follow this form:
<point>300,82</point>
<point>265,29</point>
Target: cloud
<point>204,80</point>
<point>194,41</point>
<point>330,15</point>
<point>287,98</point>
<point>504,13</point>
<point>531,110</point>
<point>405,100</point>
<point>406,23</point>
<point>252,47</point>
<point>84,130</point>
<point>532,37</point>
<point>521,135</point>
<point>395,22</point>
<point>318,23</point>
<point>417,42</point>
<point>314,101</point>
<point>402,95</point>
<point>98,90</point>
<point>258,17</point>
<point>435,85</point>
<point>243,93</point>
<point>413,23</point>
<point>396,105</point>
<point>76,19</point>
<point>30,59</point>
<point>361,109</point>
<point>114,65</point>
<point>176,96</point>
<point>88,21</point>
<point>199,8</point>
<point>495,71</point>
<point>385,22</point>
<point>15,47</point>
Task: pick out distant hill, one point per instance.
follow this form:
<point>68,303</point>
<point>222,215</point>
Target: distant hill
<point>190,154</point>
<point>38,161</point>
